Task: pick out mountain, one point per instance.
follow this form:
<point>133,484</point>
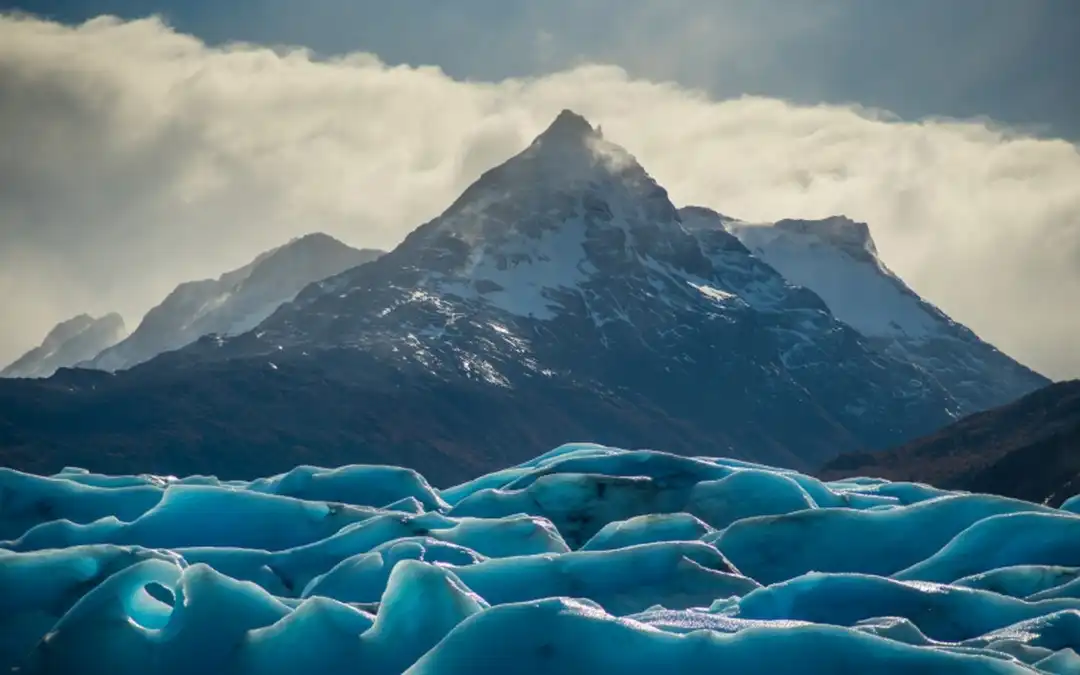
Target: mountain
<point>569,262</point>
<point>70,342</point>
<point>837,259</point>
<point>561,297</point>
<point>233,303</point>
<point>1027,449</point>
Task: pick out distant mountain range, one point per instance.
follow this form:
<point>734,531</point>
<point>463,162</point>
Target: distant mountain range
<point>70,342</point>
<point>561,297</point>
<point>1029,449</point>
<point>229,305</point>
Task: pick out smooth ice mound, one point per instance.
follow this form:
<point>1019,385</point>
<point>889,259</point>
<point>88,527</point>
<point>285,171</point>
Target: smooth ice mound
<point>587,559</point>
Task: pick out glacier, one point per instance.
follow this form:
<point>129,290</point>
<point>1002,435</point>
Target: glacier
<point>586,559</point>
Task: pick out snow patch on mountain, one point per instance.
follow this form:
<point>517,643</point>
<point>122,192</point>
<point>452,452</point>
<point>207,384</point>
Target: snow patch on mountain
<point>712,293</point>
<point>519,275</point>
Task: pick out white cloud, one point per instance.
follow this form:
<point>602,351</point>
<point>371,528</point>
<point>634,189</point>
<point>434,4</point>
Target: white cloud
<point>133,158</point>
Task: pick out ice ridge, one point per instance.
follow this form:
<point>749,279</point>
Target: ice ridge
<point>587,559</point>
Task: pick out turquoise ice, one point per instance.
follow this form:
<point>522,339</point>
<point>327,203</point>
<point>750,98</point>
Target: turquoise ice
<point>588,559</point>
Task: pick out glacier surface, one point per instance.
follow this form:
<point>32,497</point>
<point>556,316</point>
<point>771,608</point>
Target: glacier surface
<point>587,559</point>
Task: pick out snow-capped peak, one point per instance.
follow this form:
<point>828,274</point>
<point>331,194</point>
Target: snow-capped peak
<point>836,258</point>
<point>569,127</point>
<point>571,148</point>
<point>570,206</point>
<point>542,183</point>
<point>843,233</point>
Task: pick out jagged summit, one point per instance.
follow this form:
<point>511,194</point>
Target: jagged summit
<point>837,259</point>
<point>569,127</point>
<point>572,151</point>
<point>839,232</point>
<point>851,236</point>
<point>570,188</point>
<point>569,152</point>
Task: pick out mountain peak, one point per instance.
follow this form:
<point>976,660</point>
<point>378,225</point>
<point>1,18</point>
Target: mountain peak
<point>568,172</point>
<point>836,258</point>
<point>65,330</point>
<point>573,149</point>
<point>312,243</point>
<point>569,126</point>
<point>850,236</point>
<point>314,238</point>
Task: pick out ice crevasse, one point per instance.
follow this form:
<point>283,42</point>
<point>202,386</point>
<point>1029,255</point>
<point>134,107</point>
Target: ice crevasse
<point>586,559</point>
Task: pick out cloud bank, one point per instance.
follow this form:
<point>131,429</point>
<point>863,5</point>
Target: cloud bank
<point>133,158</point>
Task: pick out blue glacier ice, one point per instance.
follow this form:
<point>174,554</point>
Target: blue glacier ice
<point>1004,540</point>
<point>561,635</point>
<point>356,485</point>
<point>1022,581</point>
<point>648,529</point>
<point>870,541</point>
<point>586,559</point>
<point>940,612</point>
<point>36,500</point>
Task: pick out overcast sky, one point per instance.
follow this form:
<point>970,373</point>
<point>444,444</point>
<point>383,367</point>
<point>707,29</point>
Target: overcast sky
<point>136,153</point>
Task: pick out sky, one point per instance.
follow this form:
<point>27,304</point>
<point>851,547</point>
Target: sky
<point>148,142</point>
